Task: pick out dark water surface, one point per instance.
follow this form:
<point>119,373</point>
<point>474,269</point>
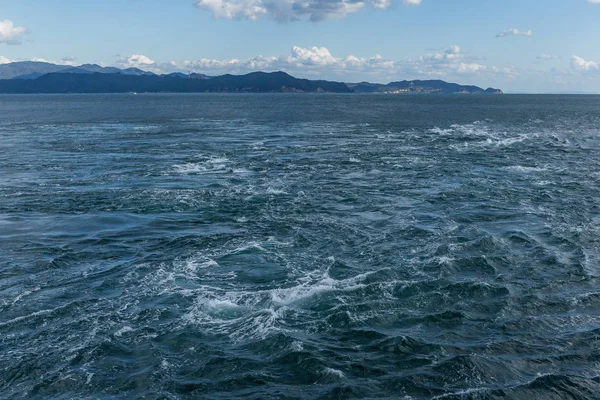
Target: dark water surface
<point>299,247</point>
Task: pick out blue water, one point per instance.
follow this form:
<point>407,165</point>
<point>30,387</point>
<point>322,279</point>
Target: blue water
<point>299,247</point>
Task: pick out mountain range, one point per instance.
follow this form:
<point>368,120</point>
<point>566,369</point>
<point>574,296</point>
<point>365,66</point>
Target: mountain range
<point>41,77</point>
<point>35,69</point>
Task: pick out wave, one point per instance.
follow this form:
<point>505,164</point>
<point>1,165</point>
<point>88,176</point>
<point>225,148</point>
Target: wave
<point>524,170</point>
<point>211,165</point>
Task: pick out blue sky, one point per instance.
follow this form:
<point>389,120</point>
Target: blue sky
<point>518,45</point>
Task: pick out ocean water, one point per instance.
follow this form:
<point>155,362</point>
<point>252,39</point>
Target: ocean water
<point>299,247</point>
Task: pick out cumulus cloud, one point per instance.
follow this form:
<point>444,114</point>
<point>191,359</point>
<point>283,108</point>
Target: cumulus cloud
<point>11,34</point>
<point>464,68</point>
<point>547,57</point>
<point>145,63</point>
<point>579,64</point>
<point>69,60</point>
<point>452,61</point>
<point>291,10</point>
<point>4,60</point>
<point>312,56</point>
<point>233,9</point>
<point>514,32</point>
<point>135,61</point>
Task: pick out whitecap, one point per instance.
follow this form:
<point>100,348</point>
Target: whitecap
<point>25,293</point>
<point>524,170</point>
<point>246,246</point>
<point>335,372</point>
<point>445,260</point>
<point>467,393</point>
<point>441,131</point>
<point>313,285</point>
<point>25,317</point>
<point>249,314</point>
<point>190,168</point>
<point>211,165</point>
<point>193,264</point>
<point>297,346</point>
<point>221,307</point>
<point>123,330</point>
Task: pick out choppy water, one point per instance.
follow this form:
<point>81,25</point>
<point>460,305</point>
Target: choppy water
<point>299,247</point>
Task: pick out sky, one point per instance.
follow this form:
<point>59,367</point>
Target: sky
<point>537,46</point>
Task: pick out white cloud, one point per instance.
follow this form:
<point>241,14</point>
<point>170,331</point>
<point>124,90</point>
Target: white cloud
<point>11,34</point>
<point>312,55</point>
<point>4,60</point>
<point>231,66</point>
<point>135,61</point>
<point>139,60</point>
<point>232,9</point>
<point>515,32</point>
<point>594,1</point>
<point>291,10</point>
<point>69,60</point>
<point>579,64</point>
<point>145,63</point>
<point>471,68</point>
<point>547,57</point>
<point>509,72</point>
<point>381,4</point>
<point>443,64</point>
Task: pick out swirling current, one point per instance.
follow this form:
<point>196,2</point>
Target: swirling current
<point>299,247</point>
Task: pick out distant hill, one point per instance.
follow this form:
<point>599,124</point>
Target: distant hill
<point>199,76</point>
<point>28,68</point>
<point>190,76</point>
<point>256,82</point>
<point>364,87</point>
<point>94,68</point>
<point>417,86</point>
<point>34,69</point>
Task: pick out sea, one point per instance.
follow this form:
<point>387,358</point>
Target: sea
<point>299,246</point>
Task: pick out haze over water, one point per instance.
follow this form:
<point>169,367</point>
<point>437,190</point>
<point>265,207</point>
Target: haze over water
<point>299,247</point>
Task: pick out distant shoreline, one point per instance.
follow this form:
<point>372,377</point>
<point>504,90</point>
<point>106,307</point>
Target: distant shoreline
<point>46,78</point>
<point>351,94</point>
